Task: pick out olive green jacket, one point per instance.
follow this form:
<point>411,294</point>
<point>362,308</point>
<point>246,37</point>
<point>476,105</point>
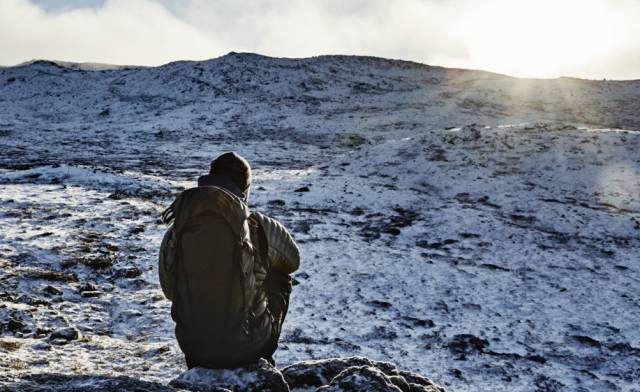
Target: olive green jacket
<point>283,253</point>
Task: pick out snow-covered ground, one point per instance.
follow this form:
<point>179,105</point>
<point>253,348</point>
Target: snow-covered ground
<point>479,229</point>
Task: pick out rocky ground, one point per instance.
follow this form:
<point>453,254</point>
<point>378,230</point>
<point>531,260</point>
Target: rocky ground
<point>335,374</point>
<point>477,229</point>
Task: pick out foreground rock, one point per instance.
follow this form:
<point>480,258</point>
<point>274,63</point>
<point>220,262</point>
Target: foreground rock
<point>259,377</point>
<point>329,375</point>
<point>352,374</point>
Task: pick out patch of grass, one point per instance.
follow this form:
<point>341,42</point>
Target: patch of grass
<point>9,345</point>
<point>98,262</point>
<point>351,140</point>
<point>51,275</point>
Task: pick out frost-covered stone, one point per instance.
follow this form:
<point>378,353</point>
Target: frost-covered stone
<point>259,377</point>
<point>324,372</point>
<point>68,333</point>
<point>361,378</point>
<point>334,374</point>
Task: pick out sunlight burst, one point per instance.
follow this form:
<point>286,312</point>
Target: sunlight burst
<point>542,38</point>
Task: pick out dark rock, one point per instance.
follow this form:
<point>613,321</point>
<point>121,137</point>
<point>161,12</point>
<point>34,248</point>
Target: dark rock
<point>323,372</point>
<point>51,275</point>
<point>400,382</point>
<point>68,334</point>
<point>14,325</point>
<point>467,344</point>
<point>58,342</point>
<point>624,348</point>
<point>389,225</point>
<point>586,340</point>
<point>299,336</point>
<point>485,200</point>
<point>418,322</point>
<point>371,232</point>
<point>136,230</point>
<point>380,304</point>
<point>391,230</point>
<point>441,305</point>
<point>493,267</point>
<point>88,286</point>
<point>50,290</point>
<point>98,262</point>
<point>419,383</point>
<point>360,378</point>
<point>90,294</point>
<point>303,226</point>
<point>128,272</point>
<point>517,357</point>
<point>435,245</point>
<point>544,383</point>
<point>357,211</point>
<point>523,218</point>
<point>317,373</point>
<point>303,189</point>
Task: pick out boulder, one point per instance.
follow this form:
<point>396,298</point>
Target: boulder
<point>360,378</point>
<point>259,377</point>
<point>67,334</point>
<point>324,372</point>
<point>327,375</point>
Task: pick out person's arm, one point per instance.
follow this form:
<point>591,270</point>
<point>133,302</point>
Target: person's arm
<point>283,252</point>
<point>165,263</point>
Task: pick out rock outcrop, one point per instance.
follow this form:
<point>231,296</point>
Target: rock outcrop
<point>259,377</point>
<point>328,375</point>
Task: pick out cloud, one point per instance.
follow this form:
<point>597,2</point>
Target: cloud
<point>410,29</point>
<point>120,32</point>
<point>584,38</point>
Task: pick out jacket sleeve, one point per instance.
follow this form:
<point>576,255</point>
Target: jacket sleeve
<point>166,263</point>
<point>283,252</point>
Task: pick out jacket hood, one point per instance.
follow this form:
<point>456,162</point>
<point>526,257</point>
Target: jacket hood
<point>223,182</point>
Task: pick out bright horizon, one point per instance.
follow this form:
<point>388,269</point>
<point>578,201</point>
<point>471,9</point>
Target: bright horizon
<point>593,39</point>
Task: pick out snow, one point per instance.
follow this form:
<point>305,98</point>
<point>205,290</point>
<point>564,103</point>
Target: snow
<point>441,203</point>
<point>200,376</point>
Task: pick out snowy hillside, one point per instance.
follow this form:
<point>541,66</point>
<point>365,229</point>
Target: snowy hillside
<point>479,229</point>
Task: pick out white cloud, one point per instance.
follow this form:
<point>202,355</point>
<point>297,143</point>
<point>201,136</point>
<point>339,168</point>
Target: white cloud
<point>585,38</point>
<point>120,32</point>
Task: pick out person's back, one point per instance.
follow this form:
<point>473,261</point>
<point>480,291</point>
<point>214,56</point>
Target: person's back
<point>225,270</point>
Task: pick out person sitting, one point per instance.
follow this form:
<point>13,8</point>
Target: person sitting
<point>226,270</point>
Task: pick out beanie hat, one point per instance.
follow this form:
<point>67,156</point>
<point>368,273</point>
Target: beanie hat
<point>234,167</point>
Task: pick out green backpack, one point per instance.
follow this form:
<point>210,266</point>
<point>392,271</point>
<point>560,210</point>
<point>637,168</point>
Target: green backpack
<point>212,277</point>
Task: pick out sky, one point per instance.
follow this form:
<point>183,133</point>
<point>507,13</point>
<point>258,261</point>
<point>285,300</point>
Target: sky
<point>593,39</point>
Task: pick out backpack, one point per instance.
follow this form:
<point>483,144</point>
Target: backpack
<point>213,276</point>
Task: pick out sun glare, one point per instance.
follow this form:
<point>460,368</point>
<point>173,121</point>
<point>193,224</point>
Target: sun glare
<point>541,38</point>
